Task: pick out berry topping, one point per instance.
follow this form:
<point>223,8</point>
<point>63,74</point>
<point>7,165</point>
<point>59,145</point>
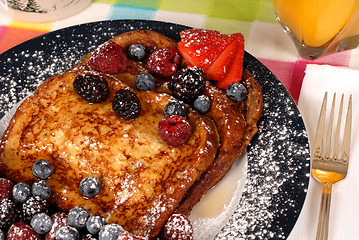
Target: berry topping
<point>21,192</point>
<point>136,51</point>
<point>202,104</point>
<point>164,61</point>
<point>33,206</point>
<point>22,231</point>
<point>174,130</point>
<point>41,223</point>
<point>110,232</point>
<point>95,223</point>
<point>145,82</point>
<point>88,236</point>
<point>67,233</point>
<point>108,58</point>
<point>5,188</point>
<point>42,169</point>
<point>42,189</point>
<point>77,217</point>
<point>236,91</point>
<point>90,187</point>
<point>178,227</point>
<point>187,84</point>
<point>8,213</point>
<point>175,108</point>
<point>220,55</point>
<point>2,235</point>
<point>91,88</point>
<point>59,220</point>
<point>129,236</point>
<point>126,104</point>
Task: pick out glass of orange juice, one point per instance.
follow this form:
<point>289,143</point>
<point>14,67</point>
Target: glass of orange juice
<point>320,27</point>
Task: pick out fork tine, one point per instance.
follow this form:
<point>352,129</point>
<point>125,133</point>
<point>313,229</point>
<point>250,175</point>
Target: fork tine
<point>330,130</point>
<point>347,131</point>
<point>320,128</point>
<point>336,152</point>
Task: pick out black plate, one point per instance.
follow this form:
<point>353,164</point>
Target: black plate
<point>278,156</point>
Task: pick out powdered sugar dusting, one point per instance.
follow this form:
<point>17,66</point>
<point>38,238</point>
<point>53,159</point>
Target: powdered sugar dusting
<point>278,157</point>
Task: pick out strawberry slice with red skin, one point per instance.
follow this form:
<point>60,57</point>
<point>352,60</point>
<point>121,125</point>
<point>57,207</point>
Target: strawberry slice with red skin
<point>219,68</point>
<point>202,47</point>
<point>236,69</point>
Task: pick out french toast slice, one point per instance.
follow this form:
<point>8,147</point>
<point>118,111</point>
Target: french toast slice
<point>143,179</point>
<point>236,122</point>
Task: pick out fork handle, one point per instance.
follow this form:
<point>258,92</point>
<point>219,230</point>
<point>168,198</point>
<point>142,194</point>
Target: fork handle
<point>323,222</point>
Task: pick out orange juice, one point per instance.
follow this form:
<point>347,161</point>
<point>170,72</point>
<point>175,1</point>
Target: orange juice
<point>316,23</point>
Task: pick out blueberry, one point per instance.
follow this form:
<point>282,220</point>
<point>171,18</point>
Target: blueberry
<point>67,233</point>
<point>95,223</point>
<point>90,187</point>
<point>137,51</point>
<point>42,189</point>
<point>202,104</point>
<point>110,232</point>
<point>21,192</point>
<point>236,91</point>
<point>2,235</point>
<point>42,169</point>
<point>175,108</point>
<point>77,217</point>
<point>41,223</point>
<point>145,82</point>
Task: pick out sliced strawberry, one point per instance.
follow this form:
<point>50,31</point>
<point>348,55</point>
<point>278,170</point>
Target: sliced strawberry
<point>220,67</point>
<point>236,69</point>
<point>202,47</point>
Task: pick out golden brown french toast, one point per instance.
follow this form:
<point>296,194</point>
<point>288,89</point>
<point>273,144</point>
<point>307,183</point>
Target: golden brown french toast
<point>143,179</point>
<point>236,122</point>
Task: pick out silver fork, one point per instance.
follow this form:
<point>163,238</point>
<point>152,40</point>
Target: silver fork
<point>330,159</point>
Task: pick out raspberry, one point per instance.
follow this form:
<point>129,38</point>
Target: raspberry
<point>187,84</point>
<point>91,88</point>
<point>178,227</point>
<point>108,58</point>
<point>8,213</point>
<point>164,61</point>
<point>129,236</point>
<point>126,104</point>
<point>22,231</point>
<point>59,220</point>
<point>5,188</point>
<point>174,130</point>
<point>34,205</point>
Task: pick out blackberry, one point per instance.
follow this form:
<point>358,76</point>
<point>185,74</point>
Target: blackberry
<point>145,82</point>
<point>42,189</point>
<point>8,213</point>
<point>175,108</point>
<point>187,84</point>
<point>126,104</point>
<point>92,88</point>
<point>42,169</point>
<point>34,205</point>
<point>136,51</point>
<point>90,187</point>
<point>77,217</point>
<point>202,104</point>
<point>237,91</point>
